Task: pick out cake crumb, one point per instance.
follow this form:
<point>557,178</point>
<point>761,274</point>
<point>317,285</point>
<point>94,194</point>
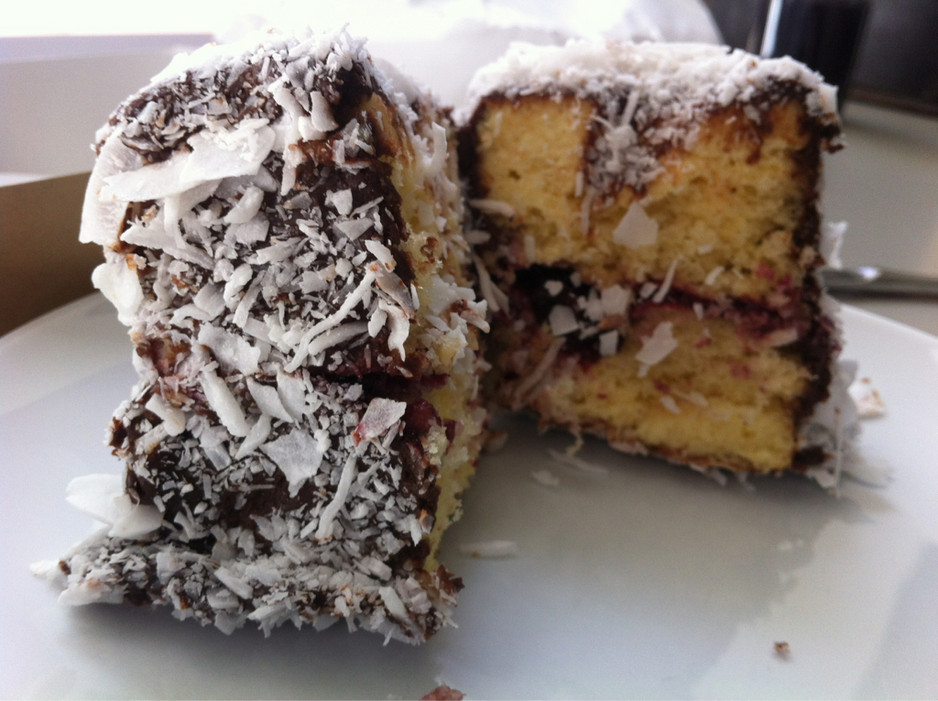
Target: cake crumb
<point>495,441</point>
<point>545,477</point>
<point>444,693</point>
<point>568,458</point>
<point>490,549</point>
<point>868,400</point>
<point>782,650</point>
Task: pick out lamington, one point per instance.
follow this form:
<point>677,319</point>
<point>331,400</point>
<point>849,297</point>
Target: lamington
<point>647,230</point>
<point>282,227</point>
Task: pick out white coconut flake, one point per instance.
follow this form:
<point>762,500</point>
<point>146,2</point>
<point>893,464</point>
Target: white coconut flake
<point>246,207</point>
<point>713,275</point>
<point>102,497</point>
<point>239,278</point>
<point>229,152</point>
<point>692,397</point>
<point>223,403</point>
<point>538,374</point>
<point>495,297</point>
<point>174,418</point>
<point>96,495</point>
<point>252,231</point>
<point>476,237</point>
<point>569,458</point>
<point>256,437</point>
<point>149,234</point>
<point>210,300</point>
<point>437,160</point>
<point>443,293</point>
<point>781,337</point>
<point>137,521</point>
<point>102,215</point>
<point>382,253</point>
<point>150,182</point>
<point>341,201</point>
<point>615,300</point>
<point>313,281</point>
<point>213,155</point>
<point>608,343</point>
<point>235,583</point>
<point>274,253</point>
<point>394,288</point>
<point>489,206</point>
<point>666,284</point>
<point>376,322</point>
<point>292,393</point>
<point>327,518</point>
<point>658,346</point>
<point>122,288</point>
<point>268,400</point>
<point>647,290</point>
<point>636,229</point>
<point>380,416</point>
<point>335,337</point>
<point>321,115</point>
<point>298,456</point>
<point>562,320</point>
<point>394,604</point>
<point>553,287</point>
<point>232,351</point>
<point>832,237</point>
<point>353,228</point>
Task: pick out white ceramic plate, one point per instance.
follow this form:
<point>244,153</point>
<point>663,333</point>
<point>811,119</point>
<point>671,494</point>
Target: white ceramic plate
<point>639,579</point>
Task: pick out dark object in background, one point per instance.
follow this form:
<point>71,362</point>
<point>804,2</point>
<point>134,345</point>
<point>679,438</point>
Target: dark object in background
<point>898,62</point>
<point>897,59</point>
<point>824,34</point>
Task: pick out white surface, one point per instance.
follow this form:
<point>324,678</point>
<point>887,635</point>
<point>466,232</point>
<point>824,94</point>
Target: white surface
<point>884,185</point>
<point>676,19</point>
<point>112,17</point>
<point>638,580</point>
<point>46,136</point>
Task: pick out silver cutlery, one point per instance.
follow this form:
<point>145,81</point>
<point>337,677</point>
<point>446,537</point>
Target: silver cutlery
<point>871,280</point>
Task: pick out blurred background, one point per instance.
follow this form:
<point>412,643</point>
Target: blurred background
<point>896,62</point>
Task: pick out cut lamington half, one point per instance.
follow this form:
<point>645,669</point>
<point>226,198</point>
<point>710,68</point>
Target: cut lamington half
<point>282,226</point>
<point>647,219</point>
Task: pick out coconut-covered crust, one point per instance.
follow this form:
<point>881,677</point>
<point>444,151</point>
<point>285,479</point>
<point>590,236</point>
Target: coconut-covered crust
<point>277,217</point>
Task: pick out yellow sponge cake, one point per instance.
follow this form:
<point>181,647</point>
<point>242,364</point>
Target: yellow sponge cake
<point>647,217</point>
